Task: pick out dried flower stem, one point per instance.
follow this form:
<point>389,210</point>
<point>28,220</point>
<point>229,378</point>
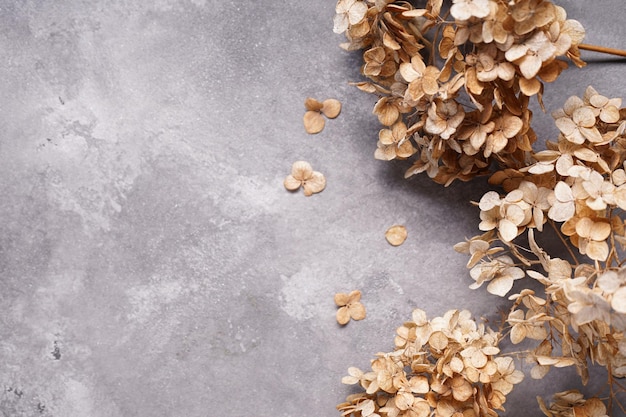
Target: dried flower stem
<point>569,249</point>
<point>602,49</point>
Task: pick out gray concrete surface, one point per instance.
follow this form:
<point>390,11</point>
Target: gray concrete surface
<point>151,262</point>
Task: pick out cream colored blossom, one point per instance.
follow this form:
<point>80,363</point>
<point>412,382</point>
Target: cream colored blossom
<point>350,307</point>
<point>563,203</point>
<point>500,273</point>
<point>477,248</point>
<point>394,143</point>
<point>465,9</point>
<point>603,107</point>
<point>302,175</point>
<point>527,325</point>
<point>422,79</point>
<point>313,118</point>
<point>531,14</point>
<point>349,12</point>
<point>577,122</point>
<point>593,235</point>
<point>505,128</point>
<point>443,118</point>
<point>531,54</point>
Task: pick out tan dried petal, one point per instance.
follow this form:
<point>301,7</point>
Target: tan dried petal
<point>301,170</point>
<point>461,389</point>
<point>619,300</point>
<point>357,311</point>
<point>343,315</point>
<point>438,340</point>
<point>396,235</point>
<point>597,250</point>
<point>313,122</point>
<point>331,108</point>
<point>341,299</point>
<point>312,104</point>
<point>291,183</point>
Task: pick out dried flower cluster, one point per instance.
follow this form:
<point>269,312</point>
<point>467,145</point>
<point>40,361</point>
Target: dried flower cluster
<point>578,186</point>
<point>454,88</point>
<point>454,82</point>
<point>444,367</point>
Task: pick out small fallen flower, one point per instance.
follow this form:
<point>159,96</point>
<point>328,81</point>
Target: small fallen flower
<point>350,307</point>
<point>313,120</point>
<point>396,235</point>
<point>302,175</point>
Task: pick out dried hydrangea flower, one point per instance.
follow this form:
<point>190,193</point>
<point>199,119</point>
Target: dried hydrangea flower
<point>350,307</point>
<point>302,175</point>
<point>396,235</point>
<point>445,366</point>
<point>313,118</point>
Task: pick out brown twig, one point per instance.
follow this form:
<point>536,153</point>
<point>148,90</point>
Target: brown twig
<point>602,49</point>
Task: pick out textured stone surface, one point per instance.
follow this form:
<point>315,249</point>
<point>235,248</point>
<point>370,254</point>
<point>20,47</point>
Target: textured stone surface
<point>151,262</point>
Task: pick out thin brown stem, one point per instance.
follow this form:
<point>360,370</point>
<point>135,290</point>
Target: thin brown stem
<point>560,235</point>
<point>602,49</point>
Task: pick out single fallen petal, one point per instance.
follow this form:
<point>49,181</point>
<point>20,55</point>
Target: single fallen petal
<point>331,108</point>
<point>313,104</point>
<point>291,183</point>
<point>396,235</point>
<point>343,315</point>
<point>313,122</point>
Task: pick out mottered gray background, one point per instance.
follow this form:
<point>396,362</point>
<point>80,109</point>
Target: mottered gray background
<point>151,262</point>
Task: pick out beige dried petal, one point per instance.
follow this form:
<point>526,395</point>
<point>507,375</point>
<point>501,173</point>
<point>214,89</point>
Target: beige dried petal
<point>313,122</point>
<point>619,300</point>
<point>343,315</point>
<point>438,340</point>
<point>291,183</point>
<point>456,365</point>
<point>301,170</point>
<point>331,108</point>
<point>461,389</point>
<point>315,184</point>
<point>396,235</point>
<point>341,299</point>
<point>500,286</point>
<point>598,251</point>
<point>508,230</point>
<point>312,104</point>
<point>518,334</point>
<point>357,311</point>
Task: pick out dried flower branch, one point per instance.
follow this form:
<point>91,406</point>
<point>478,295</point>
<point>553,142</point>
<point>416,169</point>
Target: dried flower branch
<point>453,93</point>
